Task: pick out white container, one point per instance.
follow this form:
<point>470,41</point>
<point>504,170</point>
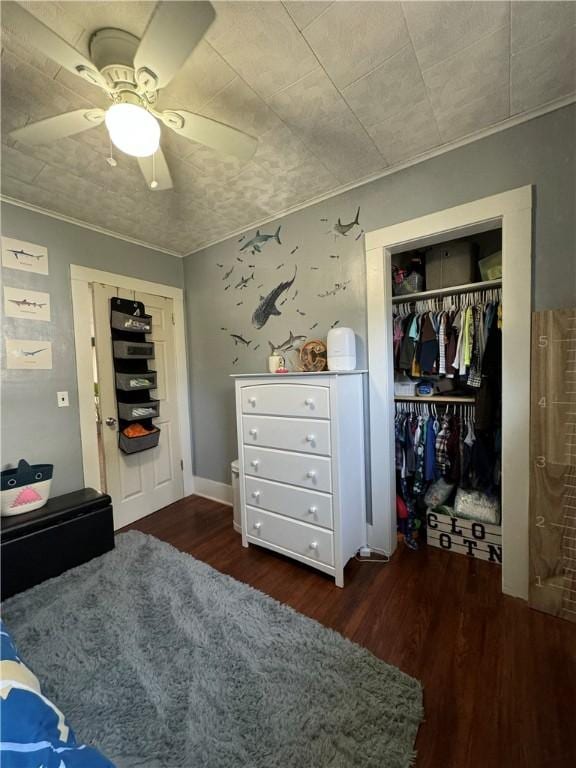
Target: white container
<point>235,467</point>
<point>341,346</point>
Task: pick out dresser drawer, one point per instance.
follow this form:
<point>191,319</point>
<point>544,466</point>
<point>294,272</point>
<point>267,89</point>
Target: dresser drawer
<point>312,472</point>
<point>305,435</point>
<point>286,400</point>
<point>308,506</point>
<point>299,538</point>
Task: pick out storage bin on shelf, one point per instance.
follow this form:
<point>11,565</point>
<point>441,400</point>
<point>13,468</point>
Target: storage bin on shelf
<point>144,409</point>
<point>130,382</point>
<point>133,350</point>
<point>121,321</point>
<point>449,265</point>
<point>139,443</point>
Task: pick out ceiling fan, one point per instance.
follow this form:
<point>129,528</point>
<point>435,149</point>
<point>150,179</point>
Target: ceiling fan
<point>131,72</point>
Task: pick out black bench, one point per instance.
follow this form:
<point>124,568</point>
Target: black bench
<point>68,531</point>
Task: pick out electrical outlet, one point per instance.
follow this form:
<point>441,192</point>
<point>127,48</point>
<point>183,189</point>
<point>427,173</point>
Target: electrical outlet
<point>62,399</point>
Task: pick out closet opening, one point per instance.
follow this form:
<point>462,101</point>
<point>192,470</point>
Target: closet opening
<point>477,254</point>
<point>447,315</point>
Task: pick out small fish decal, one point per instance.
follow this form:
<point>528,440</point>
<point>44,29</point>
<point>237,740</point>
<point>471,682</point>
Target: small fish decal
<point>239,303</point>
<point>334,255</point>
<point>256,347</point>
<point>343,229</point>
<point>323,219</point>
<point>220,265</point>
<point>243,282</point>
<point>235,361</point>
<point>227,286</point>
<point>359,235</point>
<point>260,239</point>
<point>259,286</point>
<point>240,239</point>
<point>292,342</point>
<point>301,313</point>
<point>337,288</point>
<point>223,329</point>
<point>313,268</point>
<point>251,266</point>
<point>239,259</point>
<point>334,324</point>
<point>295,294</point>
<point>283,301</point>
<point>240,340</point>
<point>227,275</point>
<point>280,266</point>
<point>294,250</point>
<point>26,303</point>
<point>313,326</point>
<point>267,306</point>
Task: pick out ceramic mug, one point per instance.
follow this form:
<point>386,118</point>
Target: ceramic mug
<point>275,362</point>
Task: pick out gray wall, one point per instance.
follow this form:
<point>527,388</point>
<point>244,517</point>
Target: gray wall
<point>33,427</point>
<point>540,152</point>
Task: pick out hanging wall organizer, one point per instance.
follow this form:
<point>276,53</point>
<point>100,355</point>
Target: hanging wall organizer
<point>136,408</point>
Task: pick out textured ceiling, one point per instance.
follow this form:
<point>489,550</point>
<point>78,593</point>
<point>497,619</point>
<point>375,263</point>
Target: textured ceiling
<point>336,92</point>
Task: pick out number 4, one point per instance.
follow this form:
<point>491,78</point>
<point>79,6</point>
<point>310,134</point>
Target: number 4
<point>542,402</point>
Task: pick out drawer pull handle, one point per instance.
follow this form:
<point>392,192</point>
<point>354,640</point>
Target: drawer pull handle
<point>257,526</point>
<point>311,474</point>
<point>255,494</point>
<point>252,400</point>
<point>312,510</point>
<point>314,545</point>
<point>309,402</point>
<point>254,432</point>
<point>255,463</point>
<point>310,438</point>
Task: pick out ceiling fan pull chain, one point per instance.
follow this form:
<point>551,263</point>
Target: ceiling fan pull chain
<point>111,160</point>
<point>153,183</point>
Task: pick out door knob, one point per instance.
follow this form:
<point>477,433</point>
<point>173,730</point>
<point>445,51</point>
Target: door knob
<point>310,438</point>
<point>254,463</point>
<point>309,402</point>
<point>254,432</point>
<point>252,400</point>
<point>311,474</point>
<point>255,494</point>
<point>312,510</point>
<point>257,526</point>
<point>110,421</point>
<point>314,545</point>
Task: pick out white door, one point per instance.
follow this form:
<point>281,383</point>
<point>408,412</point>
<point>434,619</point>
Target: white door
<point>139,483</point>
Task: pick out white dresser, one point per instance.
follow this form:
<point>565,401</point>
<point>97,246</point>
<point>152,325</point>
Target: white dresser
<point>302,468</point>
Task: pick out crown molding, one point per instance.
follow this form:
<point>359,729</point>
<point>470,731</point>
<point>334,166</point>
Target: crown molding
<point>510,122</point>
<point>87,225</point>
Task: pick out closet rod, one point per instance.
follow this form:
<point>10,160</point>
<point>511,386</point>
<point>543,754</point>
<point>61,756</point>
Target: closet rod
<point>435,399</point>
<point>454,289</point>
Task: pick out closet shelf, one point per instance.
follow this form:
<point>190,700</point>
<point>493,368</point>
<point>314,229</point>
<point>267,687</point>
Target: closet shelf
<point>436,399</point>
<point>453,289</point>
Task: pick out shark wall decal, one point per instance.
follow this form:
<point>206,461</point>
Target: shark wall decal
<point>292,342</point>
<point>21,252</point>
<point>26,303</point>
<point>343,229</point>
<point>255,243</point>
<point>240,340</point>
<point>267,306</point>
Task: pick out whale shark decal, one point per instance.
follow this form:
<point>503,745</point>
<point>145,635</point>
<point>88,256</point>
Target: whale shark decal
<point>267,306</point>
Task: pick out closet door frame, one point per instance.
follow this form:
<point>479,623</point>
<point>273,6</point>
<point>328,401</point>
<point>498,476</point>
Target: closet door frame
<point>512,212</point>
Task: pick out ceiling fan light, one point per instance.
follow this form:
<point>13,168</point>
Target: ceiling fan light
<point>133,130</point>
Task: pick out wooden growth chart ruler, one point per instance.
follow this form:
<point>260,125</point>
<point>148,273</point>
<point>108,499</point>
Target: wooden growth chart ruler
<point>553,463</point>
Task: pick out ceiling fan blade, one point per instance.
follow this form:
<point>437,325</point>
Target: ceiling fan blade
<point>173,32</point>
<point>210,132</point>
<point>53,128</point>
<point>38,35</point>
<point>155,169</point>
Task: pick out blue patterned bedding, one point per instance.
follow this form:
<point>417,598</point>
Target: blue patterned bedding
<point>33,732</point>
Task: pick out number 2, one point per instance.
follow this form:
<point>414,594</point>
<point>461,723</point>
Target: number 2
<point>540,522</point>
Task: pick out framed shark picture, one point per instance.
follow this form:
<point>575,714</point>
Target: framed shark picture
<point>28,354</point>
<point>25,304</point>
<point>28,257</point>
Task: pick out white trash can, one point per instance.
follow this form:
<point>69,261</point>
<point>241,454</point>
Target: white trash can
<point>236,495</point>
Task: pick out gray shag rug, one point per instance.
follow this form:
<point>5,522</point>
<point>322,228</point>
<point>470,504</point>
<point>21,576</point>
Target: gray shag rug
<point>161,661</point>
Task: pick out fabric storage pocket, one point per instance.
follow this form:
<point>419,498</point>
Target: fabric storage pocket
<point>140,443</point>
<point>130,382</point>
<point>122,321</point>
<point>148,409</point>
<point>133,350</point>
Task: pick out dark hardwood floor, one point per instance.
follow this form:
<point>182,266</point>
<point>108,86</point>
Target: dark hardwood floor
<point>499,678</point>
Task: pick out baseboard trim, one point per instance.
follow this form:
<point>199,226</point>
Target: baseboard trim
<point>211,489</point>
